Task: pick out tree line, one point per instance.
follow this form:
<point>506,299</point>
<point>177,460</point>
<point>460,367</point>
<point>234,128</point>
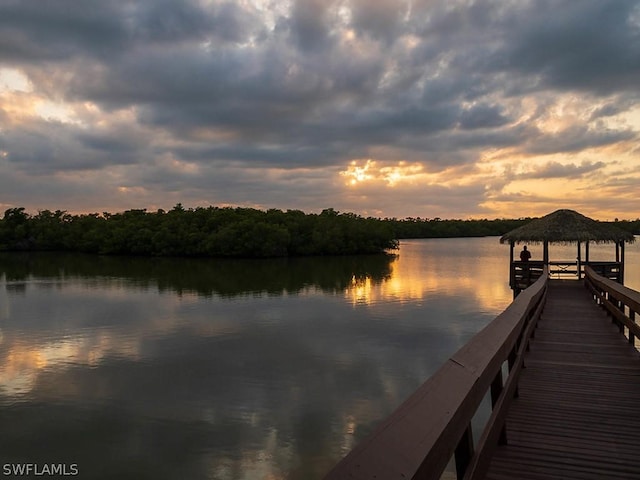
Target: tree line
<point>438,228</point>
<point>232,232</point>
<point>212,232</point>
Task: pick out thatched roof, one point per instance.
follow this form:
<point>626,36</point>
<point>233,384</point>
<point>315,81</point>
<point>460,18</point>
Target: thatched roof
<point>567,226</point>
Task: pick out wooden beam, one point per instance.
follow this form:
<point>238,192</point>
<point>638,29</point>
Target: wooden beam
<point>586,251</point>
<point>579,261</point>
<point>545,254</point>
<point>512,280</point>
<point>621,279</point>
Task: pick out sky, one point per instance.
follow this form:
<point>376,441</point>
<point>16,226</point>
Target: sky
<point>386,108</point>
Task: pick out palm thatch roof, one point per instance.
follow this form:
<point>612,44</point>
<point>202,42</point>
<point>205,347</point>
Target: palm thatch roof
<point>567,226</point>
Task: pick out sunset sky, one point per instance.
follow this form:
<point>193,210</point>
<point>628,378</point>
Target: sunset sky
<point>429,108</point>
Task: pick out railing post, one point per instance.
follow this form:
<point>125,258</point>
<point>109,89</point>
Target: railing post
<point>513,356</point>
<point>615,303</point>
<point>496,390</point>
<point>599,295</point>
<point>464,452</point>
<point>632,317</point>
<point>609,298</point>
<point>620,306</point>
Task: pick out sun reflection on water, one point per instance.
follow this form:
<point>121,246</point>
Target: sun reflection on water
<point>421,271</point>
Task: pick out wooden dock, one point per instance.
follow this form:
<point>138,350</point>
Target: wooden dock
<point>563,373</point>
<point>576,414</point>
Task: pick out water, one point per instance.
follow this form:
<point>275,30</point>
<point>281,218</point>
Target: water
<point>240,369</point>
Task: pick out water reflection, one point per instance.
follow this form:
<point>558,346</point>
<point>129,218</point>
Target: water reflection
<point>205,277</point>
<point>475,269</point>
<point>205,369</point>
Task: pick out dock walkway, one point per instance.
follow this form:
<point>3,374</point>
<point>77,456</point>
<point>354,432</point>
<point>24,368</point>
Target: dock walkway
<point>576,415</point>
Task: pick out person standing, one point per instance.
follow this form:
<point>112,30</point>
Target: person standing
<point>525,256</point>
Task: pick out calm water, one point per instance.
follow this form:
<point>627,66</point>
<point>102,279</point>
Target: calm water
<point>209,369</point>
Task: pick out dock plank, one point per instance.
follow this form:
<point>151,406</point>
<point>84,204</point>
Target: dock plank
<point>576,416</point>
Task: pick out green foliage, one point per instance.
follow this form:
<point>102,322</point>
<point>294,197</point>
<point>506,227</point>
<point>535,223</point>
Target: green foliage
<point>212,231</point>
<point>438,228</point>
<point>632,226</point>
<point>232,232</point>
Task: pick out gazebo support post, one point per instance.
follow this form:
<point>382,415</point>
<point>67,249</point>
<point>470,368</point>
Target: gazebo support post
<point>579,266</point>
<point>512,280</point>
<point>545,252</point>
<point>621,279</point>
<point>586,252</point>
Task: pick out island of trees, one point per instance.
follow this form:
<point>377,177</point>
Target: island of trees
<point>231,232</point>
<point>212,231</point>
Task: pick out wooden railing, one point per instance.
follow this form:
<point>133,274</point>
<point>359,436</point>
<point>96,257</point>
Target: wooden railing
<point>621,302</point>
<point>524,274</point>
<point>418,440</point>
<point>562,268</point>
<point>610,270</point>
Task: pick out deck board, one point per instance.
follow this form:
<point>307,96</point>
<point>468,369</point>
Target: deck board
<point>576,416</point>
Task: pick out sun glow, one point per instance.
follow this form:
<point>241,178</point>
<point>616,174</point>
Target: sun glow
<point>357,174</point>
<point>14,80</point>
<point>361,171</point>
<point>52,111</point>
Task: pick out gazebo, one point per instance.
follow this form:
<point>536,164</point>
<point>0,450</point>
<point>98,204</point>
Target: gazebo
<point>565,227</point>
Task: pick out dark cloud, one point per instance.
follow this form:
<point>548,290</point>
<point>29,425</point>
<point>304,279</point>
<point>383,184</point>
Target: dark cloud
<point>571,170</point>
<point>58,30</point>
<point>592,45</point>
<point>576,139</point>
<point>310,24</point>
<point>50,147</point>
<point>482,116</point>
<point>380,19</point>
<point>32,31</point>
<point>170,21</point>
<point>117,141</point>
<point>613,108</point>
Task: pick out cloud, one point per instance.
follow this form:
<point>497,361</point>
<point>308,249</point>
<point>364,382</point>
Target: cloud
<point>171,21</point>
<point>571,170</point>
<point>589,47</point>
<point>379,19</point>
<point>312,85</point>
<point>482,116</point>
<point>612,108</point>
<point>56,31</point>
<point>309,24</point>
<point>575,139</point>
